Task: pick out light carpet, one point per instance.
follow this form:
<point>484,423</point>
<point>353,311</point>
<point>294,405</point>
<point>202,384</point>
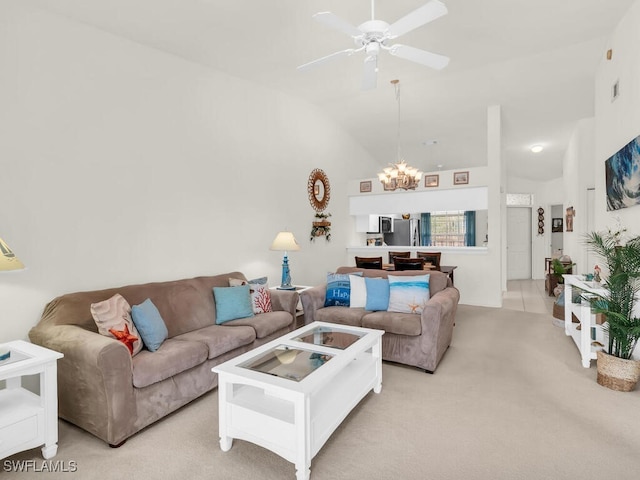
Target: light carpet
<point>510,400</point>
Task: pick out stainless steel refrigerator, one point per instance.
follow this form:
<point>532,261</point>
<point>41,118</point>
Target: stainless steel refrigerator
<point>405,233</point>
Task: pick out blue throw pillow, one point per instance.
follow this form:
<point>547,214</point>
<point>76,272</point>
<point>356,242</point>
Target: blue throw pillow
<point>377,294</point>
<point>408,294</point>
<point>150,324</point>
<point>338,289</point>
<point>232,303</point>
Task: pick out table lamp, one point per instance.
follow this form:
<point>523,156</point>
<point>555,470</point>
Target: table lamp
<point>285,241</point>
<point>8,261</point>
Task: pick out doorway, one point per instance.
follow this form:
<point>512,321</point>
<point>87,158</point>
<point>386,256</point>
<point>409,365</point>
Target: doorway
<point>557,229</point>
<point>518,243</point>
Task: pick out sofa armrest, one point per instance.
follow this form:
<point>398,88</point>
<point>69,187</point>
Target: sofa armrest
<point>438,317</point>
<point>95,380</point>
<point>285,300</point>
<point>312,299</point>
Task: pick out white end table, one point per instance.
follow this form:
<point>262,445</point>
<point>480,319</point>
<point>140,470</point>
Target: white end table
<point>28,420</point>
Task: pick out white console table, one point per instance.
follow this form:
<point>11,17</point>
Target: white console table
<point>582,337</point>
<point>28,420</point>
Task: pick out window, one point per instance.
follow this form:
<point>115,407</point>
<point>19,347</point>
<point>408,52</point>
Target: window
<point>448,229</point>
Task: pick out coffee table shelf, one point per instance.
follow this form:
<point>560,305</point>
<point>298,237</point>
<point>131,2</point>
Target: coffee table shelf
<point>294,418</point>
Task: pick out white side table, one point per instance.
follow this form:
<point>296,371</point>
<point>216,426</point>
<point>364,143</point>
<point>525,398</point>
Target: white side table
<point>28,420</point>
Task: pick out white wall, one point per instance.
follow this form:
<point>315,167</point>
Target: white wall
<point>579,175</point>
<point>618,122</point>
<point>122,164</point>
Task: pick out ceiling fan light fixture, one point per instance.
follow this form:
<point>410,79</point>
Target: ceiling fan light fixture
<point>375,35</point>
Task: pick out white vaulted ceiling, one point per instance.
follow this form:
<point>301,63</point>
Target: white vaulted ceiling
<point>535,58</point>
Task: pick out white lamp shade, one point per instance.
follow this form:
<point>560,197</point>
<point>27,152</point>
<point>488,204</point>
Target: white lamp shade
<point>8,261</point>
<point>285,241</point>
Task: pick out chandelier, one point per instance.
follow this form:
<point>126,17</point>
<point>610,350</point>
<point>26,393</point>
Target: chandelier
<point>399,174</point>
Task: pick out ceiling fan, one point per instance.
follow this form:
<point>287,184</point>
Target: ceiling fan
<point>374,35</point>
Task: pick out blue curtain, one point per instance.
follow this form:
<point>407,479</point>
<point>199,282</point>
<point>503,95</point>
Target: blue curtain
<point>425,229</point>
<point>470,229</point>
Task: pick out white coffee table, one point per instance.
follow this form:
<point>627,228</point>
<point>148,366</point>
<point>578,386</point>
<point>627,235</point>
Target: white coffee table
<point>290,394</point>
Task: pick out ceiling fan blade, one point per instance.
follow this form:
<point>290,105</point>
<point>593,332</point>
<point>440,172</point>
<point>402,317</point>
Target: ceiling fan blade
<point>319,61</point>
<point>423,57</point>
<point>337,23</point>
<point>370,73</point>
<point>421,16</point>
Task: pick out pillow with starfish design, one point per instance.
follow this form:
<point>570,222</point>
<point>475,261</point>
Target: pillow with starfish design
<point>113,318</point>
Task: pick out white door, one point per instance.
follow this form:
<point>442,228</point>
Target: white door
<point>518,243</point>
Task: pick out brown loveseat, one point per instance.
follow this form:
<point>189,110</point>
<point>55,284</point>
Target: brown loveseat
<point>109,393</point>
<point>419,340</point>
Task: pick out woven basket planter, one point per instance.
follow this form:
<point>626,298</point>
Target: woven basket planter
<point>617,373</point>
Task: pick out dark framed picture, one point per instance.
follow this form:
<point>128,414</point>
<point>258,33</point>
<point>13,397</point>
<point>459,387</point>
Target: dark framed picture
<point>460,178</point>
<point>365,186</point>
<point>431,180</point>
<point>556,224</point>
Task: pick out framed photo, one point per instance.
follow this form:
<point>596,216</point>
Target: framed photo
<point>556,224</point>
<point>460,178</point>
<point>365,186</point>
<point>431,180</point>
<point>391,185</point>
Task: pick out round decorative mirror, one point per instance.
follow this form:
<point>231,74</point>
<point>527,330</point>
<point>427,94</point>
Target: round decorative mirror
<point>319,190</point>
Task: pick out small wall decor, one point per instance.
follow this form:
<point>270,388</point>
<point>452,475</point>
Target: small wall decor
<point>390,185</point>
<point>621,175</point>
<point>540,221</point>
<point>431,180</point>
<point>319,190</point>
<point>321,226</point>
<point>569,218</point>
<point>556,225</point>
<point>460,178</point>
<point>365,187</point>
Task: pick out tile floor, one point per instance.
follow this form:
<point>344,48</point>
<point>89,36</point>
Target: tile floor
<point>527,296</point>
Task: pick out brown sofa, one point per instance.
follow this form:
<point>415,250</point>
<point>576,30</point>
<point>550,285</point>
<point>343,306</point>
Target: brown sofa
<point>109,393</point>
<point>419,340</point>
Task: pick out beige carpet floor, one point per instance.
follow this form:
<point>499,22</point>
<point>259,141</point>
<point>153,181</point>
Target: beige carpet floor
<point>510,400</point>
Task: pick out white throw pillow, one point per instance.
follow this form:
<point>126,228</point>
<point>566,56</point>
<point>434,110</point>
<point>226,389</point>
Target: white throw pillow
<point>358,292</point>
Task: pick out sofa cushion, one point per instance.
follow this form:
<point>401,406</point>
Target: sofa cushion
<point>408,294</point>
<point>220,339</point>
<point>232,303</point>
<point>338,289</point>
<point>358,297</point>
<point>377,294</point>
<point>266,323</point>
<point>173,357</point>
<point>394,322</point>
<point>150,324</point>
<point>113,318</point>
<point>343,315</point>
<point>260,294</point>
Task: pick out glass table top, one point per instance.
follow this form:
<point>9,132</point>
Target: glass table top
<point>330,337</point>
<point>287,362</point>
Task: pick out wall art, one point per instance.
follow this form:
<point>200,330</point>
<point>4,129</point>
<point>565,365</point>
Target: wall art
<point>622,174</point>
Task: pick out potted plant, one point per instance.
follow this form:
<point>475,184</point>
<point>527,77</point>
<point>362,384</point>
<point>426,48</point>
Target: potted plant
<point>616,367</point>
<point>559,266</point>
